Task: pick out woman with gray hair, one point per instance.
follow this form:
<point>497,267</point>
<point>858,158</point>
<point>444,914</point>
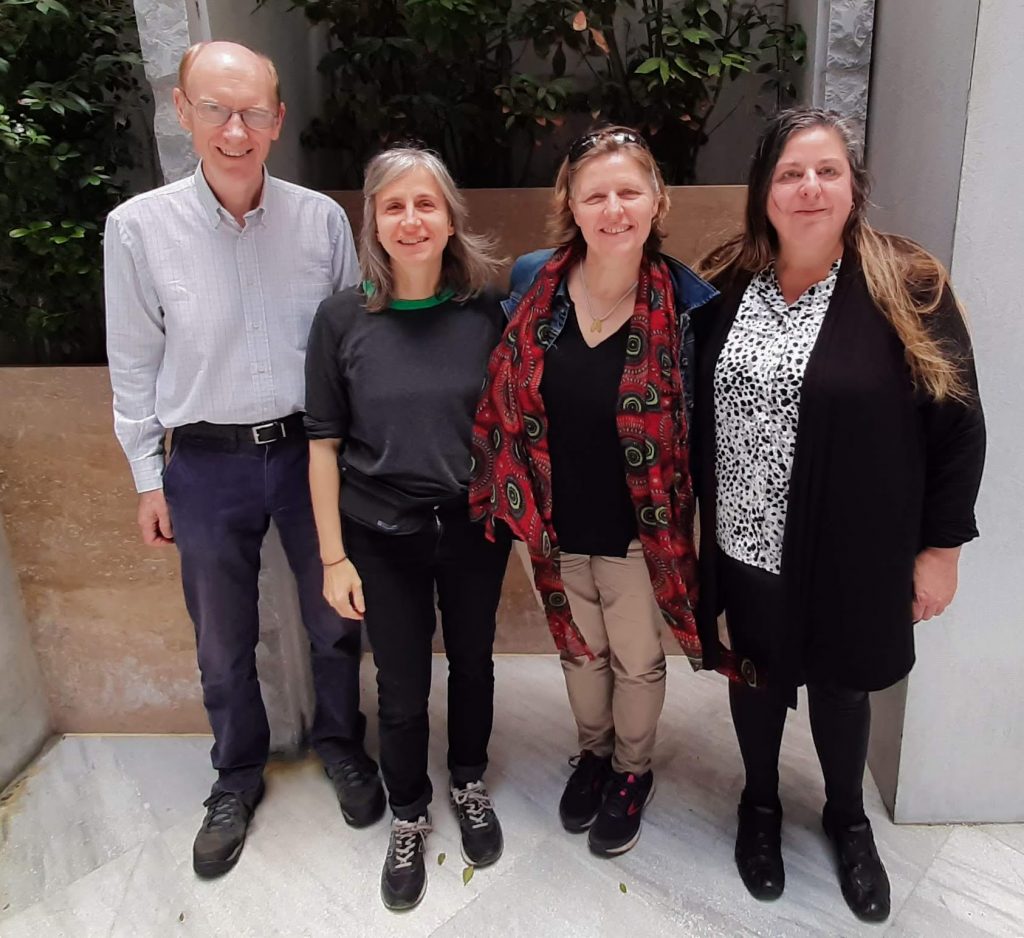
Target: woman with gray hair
<point>393,371</point>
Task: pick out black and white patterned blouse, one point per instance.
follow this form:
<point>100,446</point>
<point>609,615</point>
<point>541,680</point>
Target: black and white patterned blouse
<point>757,399</point>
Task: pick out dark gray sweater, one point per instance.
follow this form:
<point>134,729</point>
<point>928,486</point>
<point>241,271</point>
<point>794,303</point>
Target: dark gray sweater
<point>399,388</point>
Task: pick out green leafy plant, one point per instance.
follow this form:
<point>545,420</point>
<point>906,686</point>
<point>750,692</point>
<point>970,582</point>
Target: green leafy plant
<point>66,85</point>
<point>426,69</point>
<point>661,66</point>
<point>453,74</point>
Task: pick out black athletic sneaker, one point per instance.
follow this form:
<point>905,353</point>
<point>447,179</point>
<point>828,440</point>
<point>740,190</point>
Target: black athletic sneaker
<point>404,877</point>
<point>617,827</point>
<point>584,791</point>
<point>218,845</point>
<point>358,787</point>
<point>482,842</point>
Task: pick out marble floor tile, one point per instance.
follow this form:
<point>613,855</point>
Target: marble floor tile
<point>563,890</point>
<point>975,886</point>
<point>96,840</point>
<point>73,812</point>
<point>1010,834</point>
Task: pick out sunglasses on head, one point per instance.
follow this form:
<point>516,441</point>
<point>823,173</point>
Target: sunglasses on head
<point>587,142</point>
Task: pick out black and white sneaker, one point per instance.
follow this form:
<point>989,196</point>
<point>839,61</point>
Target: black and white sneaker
<point>404,877</point>
<point>617,828</point>
<point>584,792</point>
<point>358,789</point>
<point>482,841</point>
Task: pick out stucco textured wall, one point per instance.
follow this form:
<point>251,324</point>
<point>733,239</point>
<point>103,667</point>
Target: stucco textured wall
<point>963,739</point>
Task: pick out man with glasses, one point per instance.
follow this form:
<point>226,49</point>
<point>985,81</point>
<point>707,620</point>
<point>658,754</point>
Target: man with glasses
<point>211,287</point>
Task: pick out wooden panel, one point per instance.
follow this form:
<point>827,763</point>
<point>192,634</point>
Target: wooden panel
<point>701,216</point>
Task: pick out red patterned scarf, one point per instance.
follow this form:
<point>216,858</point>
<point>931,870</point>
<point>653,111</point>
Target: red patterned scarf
<point>511,473</point>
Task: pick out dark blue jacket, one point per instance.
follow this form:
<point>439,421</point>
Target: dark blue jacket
<point>690,292</point>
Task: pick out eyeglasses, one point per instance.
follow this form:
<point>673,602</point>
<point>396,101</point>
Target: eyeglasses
<point>580,145</point>
<point>255,118</point>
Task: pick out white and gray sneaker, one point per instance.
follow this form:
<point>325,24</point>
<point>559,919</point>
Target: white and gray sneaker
<point>482,841</point>
<point>403,881</point>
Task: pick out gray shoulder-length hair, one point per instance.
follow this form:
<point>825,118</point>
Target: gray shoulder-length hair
<point>470,261</point>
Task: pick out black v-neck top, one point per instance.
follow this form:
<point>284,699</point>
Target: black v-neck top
<point>591,506</point>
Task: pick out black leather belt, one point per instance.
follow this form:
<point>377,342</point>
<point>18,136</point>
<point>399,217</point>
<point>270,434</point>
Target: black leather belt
<point>259,434</point>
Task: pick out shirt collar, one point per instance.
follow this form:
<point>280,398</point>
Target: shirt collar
<point>216,212</point>
<point>767,282</point>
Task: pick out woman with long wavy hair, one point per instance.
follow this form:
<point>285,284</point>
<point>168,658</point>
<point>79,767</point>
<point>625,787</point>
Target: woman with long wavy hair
<point>839,444</point>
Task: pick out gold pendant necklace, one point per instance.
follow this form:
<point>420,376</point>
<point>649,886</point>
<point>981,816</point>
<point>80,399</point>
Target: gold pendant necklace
<point>597,321</point>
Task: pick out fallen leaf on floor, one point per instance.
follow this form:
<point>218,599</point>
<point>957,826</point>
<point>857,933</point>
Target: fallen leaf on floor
<point>181,918</point>
<point>467,875</point>
<point>441,857</point>
<point>622,888</point>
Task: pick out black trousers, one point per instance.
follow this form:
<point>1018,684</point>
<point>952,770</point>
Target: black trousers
<point>222,497</point>
<point>400,574</point>
<point>840,716</point>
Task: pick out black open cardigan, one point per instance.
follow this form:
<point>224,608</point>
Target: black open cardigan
<point>880,471</point>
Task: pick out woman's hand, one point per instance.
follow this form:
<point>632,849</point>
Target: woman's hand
<point>935,577</point>
<point>344,590</point>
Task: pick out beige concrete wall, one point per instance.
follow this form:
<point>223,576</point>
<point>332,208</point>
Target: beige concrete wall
<point>105,614</point>
<point>701,216</point>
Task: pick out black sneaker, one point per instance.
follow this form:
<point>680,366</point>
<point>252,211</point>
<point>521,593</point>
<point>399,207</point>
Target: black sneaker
<point>617,827</point>
<point>584,791</point>
<point>218,845</point>
<point>482,842</point>
<point>404,877</point>
<point>862,876</point>
<point>357,785</point>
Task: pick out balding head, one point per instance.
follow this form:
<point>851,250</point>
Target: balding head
<point>232,57</point>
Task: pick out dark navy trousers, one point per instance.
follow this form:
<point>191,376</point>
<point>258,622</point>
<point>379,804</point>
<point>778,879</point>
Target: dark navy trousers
<point>222,496</point>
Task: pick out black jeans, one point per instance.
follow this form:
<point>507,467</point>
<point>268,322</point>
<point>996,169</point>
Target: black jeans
<point>400,574</point>
<point>222,497</point>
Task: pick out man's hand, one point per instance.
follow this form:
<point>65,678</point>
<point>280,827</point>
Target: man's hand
<point>344,590</point>
<point>154,519</point>
<point>935,580</point>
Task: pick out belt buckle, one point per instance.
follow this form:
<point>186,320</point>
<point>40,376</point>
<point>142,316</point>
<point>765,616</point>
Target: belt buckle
<point>260,439</point>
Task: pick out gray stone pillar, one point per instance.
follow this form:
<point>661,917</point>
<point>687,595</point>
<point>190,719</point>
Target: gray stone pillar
<point>164,36</point>
<point>848,59</point>
<point>24,710</point>
<point>839,54</point>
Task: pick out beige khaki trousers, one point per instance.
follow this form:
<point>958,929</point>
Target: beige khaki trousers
<point>617,697</point>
